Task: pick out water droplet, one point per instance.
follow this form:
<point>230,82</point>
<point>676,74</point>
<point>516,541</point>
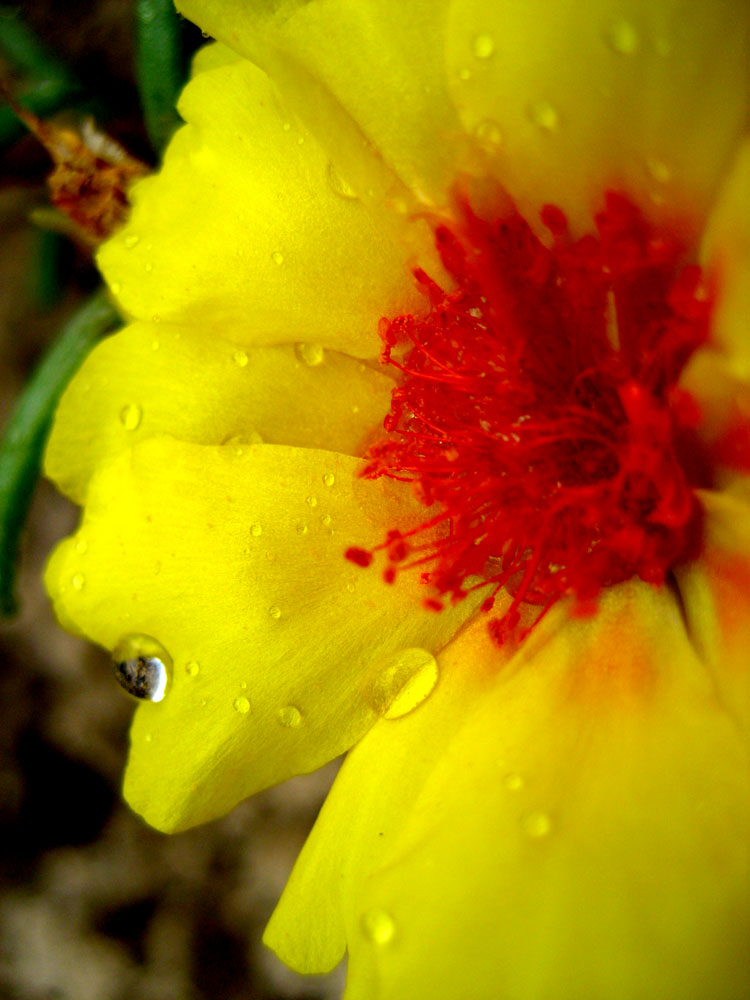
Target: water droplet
<point>338,185</point>
<point>325,520</point>
<point>536,824</point>
<point>148,266</point>
<point>131,240</point>
<point>274,611</point>
<point>328,479</point>
<point>351,587</point>
<point>286,126</point>
<point>147,737</point>
<point>488,134</point>
<point>142,666</point>
<point>622,37</point>
<point>311,354</point>
<point>405,682</point>
<point>658,170</point>
<point>378,926</point>
<point>82,545</point>
<point>241,705</point>
<point>256,530</point>
<point>484,46</point>
<point>155,345</point>
<point>116,287</point>
<point>312,501</point>
<point>464,74</point>
<point>544,115</point>
<point>243,685</point>
<point>78,581</point>
<point>277,257</point>
<point>290,716</point>
<point>513,782</point>
<point>301,528</point>
<point>193,668</point>
<point>130,416</point>
<point>240,358</point>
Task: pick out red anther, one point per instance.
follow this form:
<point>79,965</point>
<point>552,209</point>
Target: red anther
<point>539,414</point>
<point>360,557</point>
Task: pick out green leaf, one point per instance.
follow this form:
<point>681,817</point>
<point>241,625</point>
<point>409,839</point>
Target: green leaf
<point>23,443</point>
<point>160,67</point>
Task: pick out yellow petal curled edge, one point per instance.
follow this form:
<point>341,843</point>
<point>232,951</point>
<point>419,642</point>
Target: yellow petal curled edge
<point>581,819</point>
<point>152,379</point>
<point>248,231</point>
<point>234,562</point>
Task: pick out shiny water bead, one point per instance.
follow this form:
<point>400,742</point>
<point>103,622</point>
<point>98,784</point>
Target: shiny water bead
<point>310,354</point>
<point>131,416</point>
<point>290,716</point>
<point>131,240</point>
<point>240,359</point>
<point>513,782</point>
<point>536,824</point>
<point>622,37</point>
<point>274,611</point>
<point>378,926</point>
<point>544,115</point>
<point>142,667</point>
<point>483,46</point>
<point>328,479</point>
<point>256,530</point>
<point>241,705</point>
<point>193,668</point>
<point>78,581</point>
<point>277,257</point>
<point>488,134</point>
<point>338,185</point>
<point>403,683</point>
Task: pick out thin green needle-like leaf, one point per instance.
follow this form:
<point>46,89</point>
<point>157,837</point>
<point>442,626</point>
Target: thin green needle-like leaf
<point>25,436</point>
<point>160,67</point>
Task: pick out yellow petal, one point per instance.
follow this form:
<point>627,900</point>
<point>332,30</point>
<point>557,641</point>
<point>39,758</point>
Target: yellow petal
<point>716,595</point>
<point>283,652</point>
<point>151,379</point>
<point>726,251</point>
<point>573,97</point>
<point>366,77</point>
<point>249,232</point>
<point>579,829</point>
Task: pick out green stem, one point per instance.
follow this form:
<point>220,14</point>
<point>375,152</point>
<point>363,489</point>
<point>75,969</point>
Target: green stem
<point>160,67</point>
<point>23,444</point>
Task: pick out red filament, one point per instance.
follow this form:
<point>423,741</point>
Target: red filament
<point>539,415</point>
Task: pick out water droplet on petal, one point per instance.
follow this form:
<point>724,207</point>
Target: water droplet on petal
<point>82,545</point>
<point>256,530</point>
<point>404,683</point>
<point>142,666</point>
<point>130,416</point>
<point>274,611</point>
<point>544,115</point>
<point>658,170</point>
<point>310,354</point>
<point>290,716</point>
<point>116,287</point>
<point>378,926</point>
<point>131,240</point>
<point>338,185</point>
<point>193,668</point>
<point>155,344</point>
<point>301,528</point>
<point>488,134</point>
<point>464,74</point>
<point>484,46</point>
<point>241,705</point>
<point>78,581</point>
<point>622,37</point>
<point>148,266</point>
<point>325,520</point>
<point>240,358</point>
<point>312,501</point>
<point>277,257</point>
<point>328,479</point>
<point>536,824</point>
<point>513,782</point>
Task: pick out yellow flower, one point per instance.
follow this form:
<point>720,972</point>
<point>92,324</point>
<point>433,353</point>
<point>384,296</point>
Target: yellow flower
<point>561,817</point>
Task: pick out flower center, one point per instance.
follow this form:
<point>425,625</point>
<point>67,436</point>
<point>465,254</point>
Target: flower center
<point>539,413</point>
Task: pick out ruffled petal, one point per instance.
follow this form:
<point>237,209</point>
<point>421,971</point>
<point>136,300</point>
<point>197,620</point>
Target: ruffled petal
<point>248,230</point>
<point>232,559</point>
<point>578,826</point>
<point>574,97</point>
<point>368,78</point>
<point>151,380</point>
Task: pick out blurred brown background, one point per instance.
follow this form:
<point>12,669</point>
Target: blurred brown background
<point>94,905</point>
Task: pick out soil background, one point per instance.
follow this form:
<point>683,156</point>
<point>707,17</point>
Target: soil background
<point>94,905</point>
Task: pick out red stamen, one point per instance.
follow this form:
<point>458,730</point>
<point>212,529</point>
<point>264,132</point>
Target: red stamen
<point>539,411</point>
